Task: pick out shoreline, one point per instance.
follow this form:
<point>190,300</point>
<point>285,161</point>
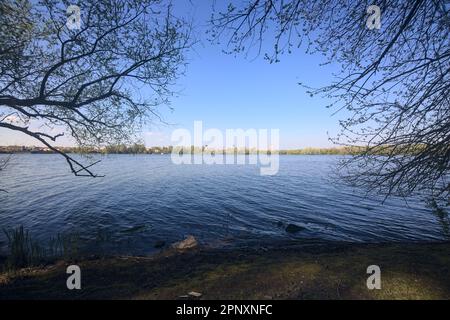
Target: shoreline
<point>281,271</point>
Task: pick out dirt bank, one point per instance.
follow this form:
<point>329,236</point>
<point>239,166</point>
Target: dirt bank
<point>320,271</point>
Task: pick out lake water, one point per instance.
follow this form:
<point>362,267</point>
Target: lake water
<point>145,199</point>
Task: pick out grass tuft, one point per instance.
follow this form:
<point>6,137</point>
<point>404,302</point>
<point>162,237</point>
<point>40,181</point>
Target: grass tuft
<point>24,251</point>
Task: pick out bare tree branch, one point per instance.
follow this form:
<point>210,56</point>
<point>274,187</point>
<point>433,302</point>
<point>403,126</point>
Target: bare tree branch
<point>394,81</point>
<point>3,164</point>
<point>98,84</point>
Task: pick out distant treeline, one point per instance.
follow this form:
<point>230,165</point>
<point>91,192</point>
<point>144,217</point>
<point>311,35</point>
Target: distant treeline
<point>113,149</point>
<point>142,149</point>
<point>318,151</point>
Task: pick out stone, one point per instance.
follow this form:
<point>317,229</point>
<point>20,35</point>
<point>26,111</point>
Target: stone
<point>188,243</point>
<point>195,294</point>
<point>159,244</point>
<point>292,228</point>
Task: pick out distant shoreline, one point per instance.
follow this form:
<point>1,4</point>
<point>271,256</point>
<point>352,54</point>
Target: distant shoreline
<point>140,149</point>
<point>105,154</point>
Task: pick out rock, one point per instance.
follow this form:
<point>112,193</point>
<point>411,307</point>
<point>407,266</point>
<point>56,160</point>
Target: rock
<point>292,228</point>
<point>188,243</point>
<point>135,229</point>
<point>195,294</point>
<point>159,244</point>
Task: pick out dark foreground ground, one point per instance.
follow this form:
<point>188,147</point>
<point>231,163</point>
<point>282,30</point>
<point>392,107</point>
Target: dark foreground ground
<point>290,271</point>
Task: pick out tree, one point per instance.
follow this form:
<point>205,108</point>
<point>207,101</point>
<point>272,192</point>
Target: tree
<point>394,81</point>
<point>98,81</point>
<point>3,163</point>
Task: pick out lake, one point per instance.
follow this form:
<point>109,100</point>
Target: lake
<point>145,199</point>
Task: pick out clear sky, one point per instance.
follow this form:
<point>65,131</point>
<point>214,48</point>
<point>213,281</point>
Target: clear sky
<point>226,91</point>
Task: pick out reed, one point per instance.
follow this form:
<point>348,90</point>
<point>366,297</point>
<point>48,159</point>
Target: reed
<point>24,251</point>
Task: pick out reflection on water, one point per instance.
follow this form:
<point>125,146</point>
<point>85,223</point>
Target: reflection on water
<point>145,200</point>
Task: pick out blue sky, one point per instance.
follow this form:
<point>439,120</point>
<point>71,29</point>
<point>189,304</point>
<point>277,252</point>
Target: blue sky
<point>226,91</point>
